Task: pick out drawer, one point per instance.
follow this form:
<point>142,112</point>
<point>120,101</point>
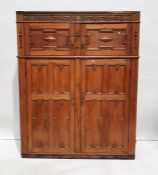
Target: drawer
<point>49,39</point>
<point>106,39</point>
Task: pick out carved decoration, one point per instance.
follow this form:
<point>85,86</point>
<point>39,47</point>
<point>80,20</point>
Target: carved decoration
<point>117,66</point>
<point>106,39</point>
<point>61,91</point>
<point>94,66</point>
<point>78,18</point>
<point>20,39</point>
<point>94,91</point>
<point>61,67</point>
<point>49,39</point>
<point>116,91</point>
<point>40,102</point>
<point>39,67</point>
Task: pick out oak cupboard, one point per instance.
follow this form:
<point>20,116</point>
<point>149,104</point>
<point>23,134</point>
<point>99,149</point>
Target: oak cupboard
<point>78,83</point>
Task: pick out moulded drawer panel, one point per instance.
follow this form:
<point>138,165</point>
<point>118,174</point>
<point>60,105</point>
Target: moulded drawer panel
<point>49,39</point>
<point>106,39</point>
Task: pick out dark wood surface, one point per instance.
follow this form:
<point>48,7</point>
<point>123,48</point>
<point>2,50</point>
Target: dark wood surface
<point>78,83</point>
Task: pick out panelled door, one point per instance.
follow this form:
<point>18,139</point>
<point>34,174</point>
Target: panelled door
<point>50,105</point>
<point>104,105</point>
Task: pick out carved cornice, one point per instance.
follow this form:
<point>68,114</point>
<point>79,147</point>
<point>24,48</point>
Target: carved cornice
<point>78,18</point>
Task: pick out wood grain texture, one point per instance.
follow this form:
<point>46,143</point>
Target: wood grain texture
<point>78,75</point>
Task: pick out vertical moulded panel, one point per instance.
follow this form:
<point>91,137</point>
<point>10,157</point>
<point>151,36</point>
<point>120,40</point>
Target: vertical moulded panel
<point>116,124</point>
<point>116,80</point>
<point>61,78</point>
<point>39,78</point>
<point>94,79</point>
<point>63,129</point>
<point>39,123</point>
<point>92,124</point>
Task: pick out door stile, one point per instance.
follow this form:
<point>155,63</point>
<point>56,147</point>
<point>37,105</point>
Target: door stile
<point>82,90</point>
<point>77,106</point>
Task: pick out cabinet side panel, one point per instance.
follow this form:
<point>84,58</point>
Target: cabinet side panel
<point>133,86</point>
<point>22,84</point>
<point>133,106</point>
<point>22,97</point>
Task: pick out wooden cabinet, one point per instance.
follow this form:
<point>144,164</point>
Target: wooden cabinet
<point>78,83</point>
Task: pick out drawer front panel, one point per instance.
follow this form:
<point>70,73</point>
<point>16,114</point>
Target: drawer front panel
<point>105,39</point>
<point>49,39</point>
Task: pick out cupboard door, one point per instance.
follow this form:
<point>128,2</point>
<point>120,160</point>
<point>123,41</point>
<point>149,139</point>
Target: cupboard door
<point>50,105</point>
<point>104,105</point>
<point>49,39</point>
<point>105,39</point>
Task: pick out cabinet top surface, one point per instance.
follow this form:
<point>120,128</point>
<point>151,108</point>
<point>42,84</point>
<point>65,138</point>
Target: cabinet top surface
<point>77,11</point>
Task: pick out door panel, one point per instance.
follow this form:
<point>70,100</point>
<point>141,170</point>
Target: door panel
<point>116,123</point>
<point>39,79</point>
<point>63,125</point>
<point>40,124</point>
<point>51,105</point>
<point>104,105</point>
<point>116,83</point>
<point>92,111</point>
<point>105,39</point>
<point>49,39</point>
<point>62,83</point>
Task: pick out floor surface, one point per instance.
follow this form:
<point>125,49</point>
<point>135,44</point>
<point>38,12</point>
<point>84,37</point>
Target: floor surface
<point>11,163</point>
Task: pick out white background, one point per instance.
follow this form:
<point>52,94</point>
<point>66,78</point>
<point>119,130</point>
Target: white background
<point>147,116</point>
